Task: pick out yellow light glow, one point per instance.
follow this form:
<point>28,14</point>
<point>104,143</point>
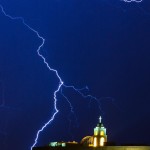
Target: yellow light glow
<point>95,131</point>
<point>102,140</point>
<point>95,142</point>
<point>102,133</point>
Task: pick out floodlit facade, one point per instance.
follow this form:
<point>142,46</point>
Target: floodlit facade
<point>98,139</point>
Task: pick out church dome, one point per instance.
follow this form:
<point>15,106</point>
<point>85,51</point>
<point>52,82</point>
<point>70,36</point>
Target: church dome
<point>86,141</point>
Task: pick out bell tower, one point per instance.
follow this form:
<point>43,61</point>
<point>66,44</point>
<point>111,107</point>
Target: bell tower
<point>100,136</point>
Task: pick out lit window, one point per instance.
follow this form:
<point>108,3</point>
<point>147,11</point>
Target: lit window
<point>102,133</point>
<point>102,140</point>
<point>96,132</point>
<point>95,142</point>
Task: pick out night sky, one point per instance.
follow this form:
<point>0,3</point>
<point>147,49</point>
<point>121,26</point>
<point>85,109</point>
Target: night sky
<point>101,44</point>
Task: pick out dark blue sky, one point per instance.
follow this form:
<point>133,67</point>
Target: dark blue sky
<point>102,44</point>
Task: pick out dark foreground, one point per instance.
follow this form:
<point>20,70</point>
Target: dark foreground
<point>93,148</point>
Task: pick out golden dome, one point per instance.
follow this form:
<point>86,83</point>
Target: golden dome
<point>88,140</point>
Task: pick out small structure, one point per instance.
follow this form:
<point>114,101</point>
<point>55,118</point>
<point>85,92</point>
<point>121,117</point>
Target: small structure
<point>63,144</point>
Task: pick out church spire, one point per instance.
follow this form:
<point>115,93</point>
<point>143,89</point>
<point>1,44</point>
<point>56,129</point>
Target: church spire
<point>100,136</point>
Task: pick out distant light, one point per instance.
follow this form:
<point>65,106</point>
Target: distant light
<point>53,144</point>
<point>63,145</point>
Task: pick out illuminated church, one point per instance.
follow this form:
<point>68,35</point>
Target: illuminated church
<point>97,142</point>
<point>98,139</point>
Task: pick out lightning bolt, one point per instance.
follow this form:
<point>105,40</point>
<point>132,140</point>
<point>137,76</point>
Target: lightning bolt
<point>61,83</point>
<point>45,62</point>
<point>72,113</point>
<point>129,1</point>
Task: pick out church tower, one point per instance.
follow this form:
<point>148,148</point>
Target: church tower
<point>99,137</point>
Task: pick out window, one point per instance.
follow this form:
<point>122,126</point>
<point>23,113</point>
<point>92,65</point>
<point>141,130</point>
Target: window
<point>102,133</point>
<point>95,131</point>
<point>95,142</point>
<point>102,140</point>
